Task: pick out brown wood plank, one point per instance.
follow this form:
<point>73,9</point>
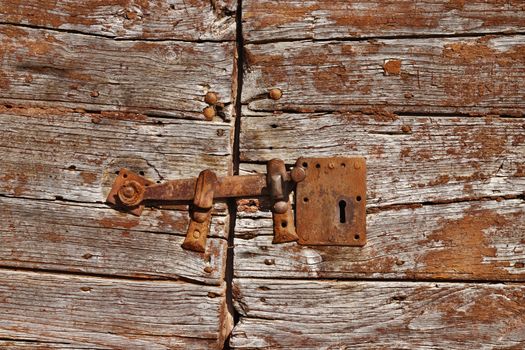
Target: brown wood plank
<point>144,19</point>
<point>50,153</point>
<point>458,241</point>
<point>266,20</point>
<point>106,313</point>
<point>42,345</point>
<point>94,239</point>
<point>432,75</point>
<point>410,159</point>
<point>81,71</point>
<point>290,314</point>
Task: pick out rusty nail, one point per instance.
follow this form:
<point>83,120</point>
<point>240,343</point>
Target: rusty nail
<point>357,165</point>
<point>94,93</point>
<point>196,234</point>
<point>406,129</point>
<point>211,98</point>
<point>280,207</point>
<point>298,174</point>
<point>208,269</point>
<point>209,112</point>
<point>269,261</point>
<point>276,94</point>
<point>331,165</point>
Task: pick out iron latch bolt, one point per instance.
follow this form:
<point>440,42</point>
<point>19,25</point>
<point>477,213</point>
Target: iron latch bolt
<point>131,192</point>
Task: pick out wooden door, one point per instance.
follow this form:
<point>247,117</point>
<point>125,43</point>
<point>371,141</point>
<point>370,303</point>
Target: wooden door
<point>431,93</point>
<point>87,87</point>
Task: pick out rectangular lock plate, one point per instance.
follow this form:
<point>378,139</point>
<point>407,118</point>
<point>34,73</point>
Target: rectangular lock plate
<point>331,202</point>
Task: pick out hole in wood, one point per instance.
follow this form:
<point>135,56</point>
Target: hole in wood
<point>305,165</point>
<point>305,199</point>
<point>141,173</point>
<point>342,211</point>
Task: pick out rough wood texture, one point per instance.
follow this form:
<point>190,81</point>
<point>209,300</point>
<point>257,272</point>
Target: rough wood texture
<point>266,20</point>
<point>143,19</point>
<point>49,235</point>
<point>410,159</point>
<point>105,313</point>
<point>81,71</point>
<point>290,314</point>
<point>437,75</point>
<point>462,241</point>
<point>50,153</point>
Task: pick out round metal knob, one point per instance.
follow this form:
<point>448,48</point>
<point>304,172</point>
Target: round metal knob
<point>131,193</point>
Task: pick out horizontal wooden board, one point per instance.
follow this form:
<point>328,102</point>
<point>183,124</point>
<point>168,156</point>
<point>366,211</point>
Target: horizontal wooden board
<point>410,159</point>
<point>266,20</point>
<point>437,75</point>
<point>290,314</point>
<point>94,239</point>
<point>106,313</point>
<point>459,241</point>
<point>167,78</point>
<point>43,345</point>
<point>144,19</point>
<point>50,153</point>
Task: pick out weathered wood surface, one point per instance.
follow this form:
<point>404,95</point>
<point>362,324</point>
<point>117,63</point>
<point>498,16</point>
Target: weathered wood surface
<point>432,75</point>
<point>290,314</point>
<point>171,78</point>
<point>43,345</point>
<point>47,235</point>
<point>111,314</point>
<point>144,19</point>
<point>410,159</point>
<point>462,241</point>
<point>266,20</point>
<point>50,153</point>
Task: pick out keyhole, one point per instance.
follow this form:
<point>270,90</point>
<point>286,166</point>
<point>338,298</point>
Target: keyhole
<point>342,211</point>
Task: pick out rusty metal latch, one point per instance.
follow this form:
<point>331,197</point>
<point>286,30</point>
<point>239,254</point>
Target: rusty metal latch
<point>330,199</point>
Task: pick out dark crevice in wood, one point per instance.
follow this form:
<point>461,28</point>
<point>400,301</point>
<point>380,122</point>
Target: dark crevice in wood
<point>408,279</point>
<point>363,110</point>
<point>387,37</point>
<point>110,37</point>
<point>158,114</point>
<point>33,341</point>
<point>413,205</point>
<point>91,205</point>
<point>108,277</point>
<point>236,156</point>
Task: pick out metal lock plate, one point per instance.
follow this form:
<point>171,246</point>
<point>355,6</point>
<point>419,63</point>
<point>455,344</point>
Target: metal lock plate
<point>331,202</point>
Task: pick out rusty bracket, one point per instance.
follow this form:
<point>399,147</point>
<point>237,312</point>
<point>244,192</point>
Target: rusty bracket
<point>330,199</point>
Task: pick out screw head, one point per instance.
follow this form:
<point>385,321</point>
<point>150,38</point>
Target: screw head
<point>196,234</point>
<point>211,98</point>
<point>209,112</point>
<point>357,165</point>
<point>275,94</point>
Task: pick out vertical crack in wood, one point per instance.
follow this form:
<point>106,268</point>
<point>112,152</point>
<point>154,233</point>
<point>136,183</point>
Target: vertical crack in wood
<point>232,203</point>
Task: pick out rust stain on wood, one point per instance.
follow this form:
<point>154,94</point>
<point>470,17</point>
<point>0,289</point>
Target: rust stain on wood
<point>464,245</point>
<point>392,67</point>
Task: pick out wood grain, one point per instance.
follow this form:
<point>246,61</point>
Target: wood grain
<point>410,159</point>
<point>458,241</point>
<point>170,78</point>
<point>266,20</point>
<point>47,235</point>
<point>432,75</point>
<point>128,19</point>
<point>290,314</point>
<point>106,313</point>
<point>59,153</point>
